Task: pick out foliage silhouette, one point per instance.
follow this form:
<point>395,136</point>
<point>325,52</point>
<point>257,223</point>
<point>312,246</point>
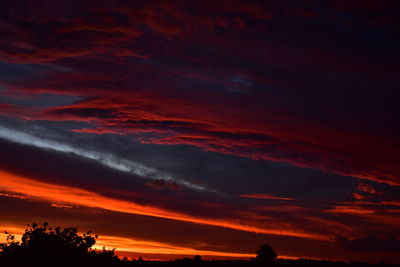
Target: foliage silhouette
<point>44,246</point>
<point>197,258</point>
<point>47,246</point>
<point>266,254</point>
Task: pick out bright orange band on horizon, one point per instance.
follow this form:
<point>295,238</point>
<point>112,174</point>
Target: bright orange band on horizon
<point>122,245</point>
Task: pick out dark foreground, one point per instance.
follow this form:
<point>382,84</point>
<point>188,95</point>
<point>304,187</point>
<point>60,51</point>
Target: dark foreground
<point>188,262</point>
<point>278,263</point>
<point>44,246</point>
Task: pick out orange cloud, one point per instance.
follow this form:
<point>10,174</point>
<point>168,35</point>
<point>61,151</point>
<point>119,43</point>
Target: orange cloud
<point>64,195</point>
<point>352,210</point>
<point>13,195</point>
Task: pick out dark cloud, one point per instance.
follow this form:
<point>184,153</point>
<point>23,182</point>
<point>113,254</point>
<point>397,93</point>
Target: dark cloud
<point>14,71</point>
<point>85,113</point>
<point>224,173</point>
<point>370,243</point>
<point>162,185</point>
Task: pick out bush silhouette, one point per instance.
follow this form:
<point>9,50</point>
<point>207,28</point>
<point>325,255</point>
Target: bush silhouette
<point>266,254</point>
<point>45,245</point>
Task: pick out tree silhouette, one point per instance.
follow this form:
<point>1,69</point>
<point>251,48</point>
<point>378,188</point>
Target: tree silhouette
<point>45,245</point>
<point>266,254</point>
<point>197,258</point>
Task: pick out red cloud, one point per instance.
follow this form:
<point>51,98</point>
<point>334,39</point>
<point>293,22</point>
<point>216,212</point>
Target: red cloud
<point>211,87</point>
<point>366,188</point>
<point>231,129</point>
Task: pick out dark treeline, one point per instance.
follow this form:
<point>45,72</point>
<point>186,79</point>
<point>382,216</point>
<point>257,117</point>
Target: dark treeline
<point>45,246</point>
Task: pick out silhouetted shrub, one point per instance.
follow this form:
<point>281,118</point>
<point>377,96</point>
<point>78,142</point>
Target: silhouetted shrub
<point>195,261</point>
<point>58,247</point>
<point>197,258</point>
<point>266,254</point>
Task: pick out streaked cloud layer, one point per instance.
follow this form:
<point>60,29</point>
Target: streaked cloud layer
<point>261,121</point>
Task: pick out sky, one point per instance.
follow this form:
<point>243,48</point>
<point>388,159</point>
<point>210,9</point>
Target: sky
<point>181,128</point>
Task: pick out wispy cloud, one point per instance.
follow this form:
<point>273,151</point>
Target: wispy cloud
<point>105,159</point>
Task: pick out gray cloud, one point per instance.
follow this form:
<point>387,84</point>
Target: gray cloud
<point>370,243</point>
<point>106,159</point>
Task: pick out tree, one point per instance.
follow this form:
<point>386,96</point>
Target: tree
<point>45,245</point>
<point>266,254</point>
<point>197,258</point>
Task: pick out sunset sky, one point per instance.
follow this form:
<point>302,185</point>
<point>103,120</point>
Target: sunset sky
<point>175,128</point>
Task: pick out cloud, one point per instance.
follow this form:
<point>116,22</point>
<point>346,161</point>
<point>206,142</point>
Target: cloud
<point>64,29</point>
<point>11,195</point>
<point>265,196</point>
<point>69,170</point>
<point>162,184</point>
<point>366,188</point>
<point>215,133</point>
<point>63,206</point>
<point>211,94</point>
<point>370,243</point>
<point>75,196</point>
<point>212,121</point>
<point>354,210</point>
<point>105,159</point>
